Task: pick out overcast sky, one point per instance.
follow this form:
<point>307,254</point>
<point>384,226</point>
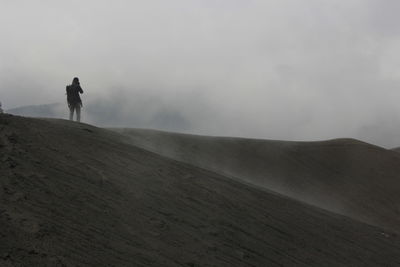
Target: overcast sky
<point>276,69</point>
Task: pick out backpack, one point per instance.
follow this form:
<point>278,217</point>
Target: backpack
<point>70,96</point>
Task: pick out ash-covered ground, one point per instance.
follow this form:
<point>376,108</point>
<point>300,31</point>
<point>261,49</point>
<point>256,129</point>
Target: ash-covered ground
<point>76,195</point>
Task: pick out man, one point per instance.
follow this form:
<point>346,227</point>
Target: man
<point>74,99</point>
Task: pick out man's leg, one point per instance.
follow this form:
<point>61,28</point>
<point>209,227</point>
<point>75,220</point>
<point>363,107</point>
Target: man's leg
<point>71,112</point>
<point>78,112</point>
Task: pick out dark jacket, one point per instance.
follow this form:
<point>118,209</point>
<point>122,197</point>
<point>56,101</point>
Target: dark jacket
<point>73,92</point>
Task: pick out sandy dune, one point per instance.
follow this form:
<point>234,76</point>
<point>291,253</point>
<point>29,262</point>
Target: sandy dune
<point>76,195</point>
<point>345,176</point>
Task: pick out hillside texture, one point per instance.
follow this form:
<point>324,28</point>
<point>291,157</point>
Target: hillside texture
<point>76,195</point>
<point>345,176</point>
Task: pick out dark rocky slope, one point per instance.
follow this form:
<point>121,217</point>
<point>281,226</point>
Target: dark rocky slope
<point>76,195</point>
<point>345,176</point>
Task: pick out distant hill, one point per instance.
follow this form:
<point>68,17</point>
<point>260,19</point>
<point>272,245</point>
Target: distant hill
<point>113,114</point>
<point>345,176</point>
<point>54,110</point>
<point>76,195</point>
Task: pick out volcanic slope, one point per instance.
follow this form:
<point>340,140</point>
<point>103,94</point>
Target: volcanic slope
<point>345,176</point>
<point>76,195</point>
<point>397,149</point>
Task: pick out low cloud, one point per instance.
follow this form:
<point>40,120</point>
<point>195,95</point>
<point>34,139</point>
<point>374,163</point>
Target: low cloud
<point>292,70</point>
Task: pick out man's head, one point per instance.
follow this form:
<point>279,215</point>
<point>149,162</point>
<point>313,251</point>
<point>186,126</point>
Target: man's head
<point>75,80</point>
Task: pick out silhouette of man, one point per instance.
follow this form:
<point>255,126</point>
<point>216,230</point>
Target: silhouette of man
<point>74,99</point>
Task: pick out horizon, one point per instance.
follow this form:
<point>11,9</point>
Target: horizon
<point>291,70</point>
<point>56,113</point>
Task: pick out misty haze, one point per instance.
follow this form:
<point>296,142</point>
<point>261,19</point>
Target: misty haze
<point>211,133</point>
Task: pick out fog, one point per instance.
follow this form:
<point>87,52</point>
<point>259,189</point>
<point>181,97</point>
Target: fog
<point>287,69</point>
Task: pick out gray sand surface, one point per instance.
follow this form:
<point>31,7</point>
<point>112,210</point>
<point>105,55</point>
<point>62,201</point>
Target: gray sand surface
<point>345,176</point>
<point>76,195</point>
<point>397,149</point>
